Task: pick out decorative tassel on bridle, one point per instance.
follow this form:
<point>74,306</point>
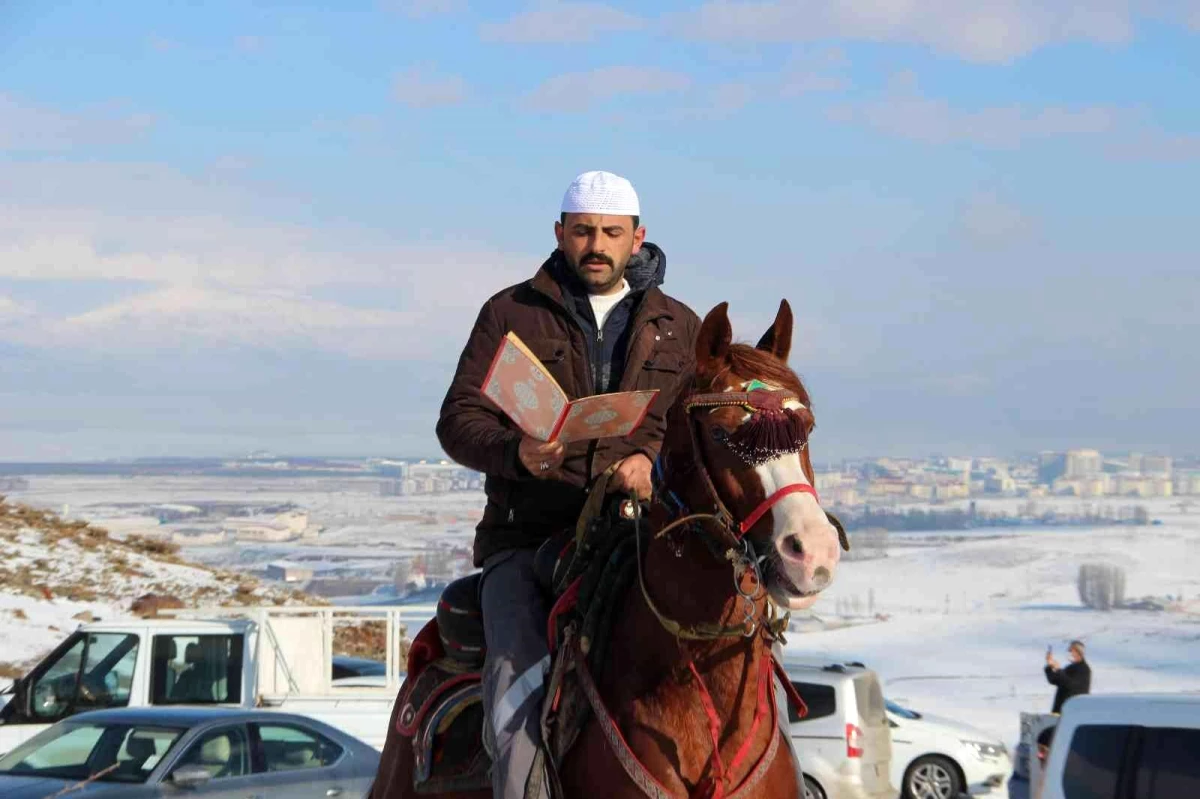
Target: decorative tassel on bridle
<point>768,434</point>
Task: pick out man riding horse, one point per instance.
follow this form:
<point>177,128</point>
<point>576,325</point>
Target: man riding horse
<point>594,314</point>
<point>597,318</point>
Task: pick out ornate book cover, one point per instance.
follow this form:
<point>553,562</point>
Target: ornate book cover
<point>526,391</point>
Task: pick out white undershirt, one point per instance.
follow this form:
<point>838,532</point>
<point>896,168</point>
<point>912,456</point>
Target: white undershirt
<point>602,304</point>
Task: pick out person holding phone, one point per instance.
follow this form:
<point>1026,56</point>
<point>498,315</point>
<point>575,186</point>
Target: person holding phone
<point>1073,679</point>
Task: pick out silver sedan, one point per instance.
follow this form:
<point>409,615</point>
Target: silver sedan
<point>212,752</point>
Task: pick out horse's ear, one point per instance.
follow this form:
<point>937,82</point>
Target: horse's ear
<point>716,334</point>
<point>778,340</point>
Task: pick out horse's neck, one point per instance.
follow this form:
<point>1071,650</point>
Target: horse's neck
<point>691,587</point>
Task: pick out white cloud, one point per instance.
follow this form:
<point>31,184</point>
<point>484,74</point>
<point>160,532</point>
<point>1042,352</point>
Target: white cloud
<point>814,71</point>
<point>422,9</point>
<point>577,91</point>
<point>903,111</point>
<point>209,274</point>
<point>1151,144</point>
<point>420,88</point>
<point>11,310</point>
<point>193,316</point>
<point>249,43</point>
<point>988,221</point>
<point>562,23</point>
<point>986,32</point>
<point>162,44</point>
<point>31,128</point>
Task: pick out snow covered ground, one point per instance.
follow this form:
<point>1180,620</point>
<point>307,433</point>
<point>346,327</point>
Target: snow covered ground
<point>968,622</point>
<point>54,575</point>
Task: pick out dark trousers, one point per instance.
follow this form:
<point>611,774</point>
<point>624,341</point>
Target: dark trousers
<point>514,628</point>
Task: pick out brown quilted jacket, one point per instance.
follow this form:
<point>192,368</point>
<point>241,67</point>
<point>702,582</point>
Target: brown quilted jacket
<point>523,511</point>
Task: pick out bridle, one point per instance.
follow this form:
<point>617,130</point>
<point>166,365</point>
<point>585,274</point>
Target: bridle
<point>768,401</point>
<point>738,549</point>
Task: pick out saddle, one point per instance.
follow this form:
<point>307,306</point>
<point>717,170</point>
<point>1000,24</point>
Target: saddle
<point>441,703</point>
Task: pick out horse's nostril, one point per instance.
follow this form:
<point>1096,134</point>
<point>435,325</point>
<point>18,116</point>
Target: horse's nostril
<point>793,543</point>
<point>821,578</point>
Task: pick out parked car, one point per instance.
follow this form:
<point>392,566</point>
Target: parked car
<point>1124,746</point>
<point>351,672</point>
<point>136,753</point>
<point>345,666</point>
<point>939,758</point>
<point>844,743</point>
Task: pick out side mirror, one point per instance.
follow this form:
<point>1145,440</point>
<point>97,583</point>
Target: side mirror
<point>190,776</point>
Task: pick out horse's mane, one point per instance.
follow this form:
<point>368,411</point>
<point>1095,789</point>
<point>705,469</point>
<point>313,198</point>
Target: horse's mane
<point>749,362</point>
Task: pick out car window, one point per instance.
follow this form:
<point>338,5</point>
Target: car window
<point>869,697</point>
<point>109,753</point>
<point>196,669</point>
<point>66,754</point>
<point>94,671</point>
<point>1170,764</point>
<point>54,691</point>
<point>142,750</point>
<point>821,701</point>
<point>108,667</point>
<point>223,753</point>
<point>287,748</point>
<point>1094,760</point>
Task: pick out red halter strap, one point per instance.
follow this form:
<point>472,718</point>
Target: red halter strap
<point>751,400</point>
<point>794,488</point>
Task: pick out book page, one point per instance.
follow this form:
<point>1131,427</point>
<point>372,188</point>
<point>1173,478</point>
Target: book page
<point>524,389</point>
<point>605,415</point>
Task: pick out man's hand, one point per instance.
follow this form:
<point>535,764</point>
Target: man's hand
<point>1052,662</point>
<point>633,475</point>
<point>540,458</point>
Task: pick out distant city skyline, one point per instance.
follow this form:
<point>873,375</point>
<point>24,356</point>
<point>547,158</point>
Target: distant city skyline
<point>227,227</point>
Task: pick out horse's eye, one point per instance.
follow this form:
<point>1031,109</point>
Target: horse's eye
<point>720,434</point>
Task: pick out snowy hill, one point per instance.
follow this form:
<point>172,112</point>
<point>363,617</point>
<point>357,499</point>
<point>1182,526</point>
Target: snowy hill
<point>55,574</point>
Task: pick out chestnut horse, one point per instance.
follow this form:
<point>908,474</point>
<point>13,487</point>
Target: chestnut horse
<point>684,704</point>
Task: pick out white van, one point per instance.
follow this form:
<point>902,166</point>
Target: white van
<point>1125,746</point>
<point>844,743</point>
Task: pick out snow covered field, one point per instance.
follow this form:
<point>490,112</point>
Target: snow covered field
<point>969,622</point>
<point>966,616</point>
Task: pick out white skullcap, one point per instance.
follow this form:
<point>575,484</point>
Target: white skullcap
<point>601,193</point>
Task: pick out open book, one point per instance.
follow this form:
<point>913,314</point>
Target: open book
<point>522,388</point>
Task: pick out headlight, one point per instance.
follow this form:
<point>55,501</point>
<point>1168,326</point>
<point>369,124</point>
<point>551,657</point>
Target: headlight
<point>986,750</point>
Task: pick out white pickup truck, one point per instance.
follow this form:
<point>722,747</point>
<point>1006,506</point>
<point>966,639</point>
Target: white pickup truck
<point>276,658</point>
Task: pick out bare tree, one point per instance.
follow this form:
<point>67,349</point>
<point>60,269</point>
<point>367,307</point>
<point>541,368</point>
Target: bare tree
<point>1101,586</point>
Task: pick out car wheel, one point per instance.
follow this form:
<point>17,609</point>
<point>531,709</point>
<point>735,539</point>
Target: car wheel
<point>932,777</point>
<point>811,789</point>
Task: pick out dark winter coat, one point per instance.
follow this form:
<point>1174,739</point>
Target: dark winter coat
<point>1072,680</point>
<point>647,343</point>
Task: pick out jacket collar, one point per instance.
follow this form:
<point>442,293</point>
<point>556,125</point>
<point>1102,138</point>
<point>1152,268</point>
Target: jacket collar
<point>644,273</point>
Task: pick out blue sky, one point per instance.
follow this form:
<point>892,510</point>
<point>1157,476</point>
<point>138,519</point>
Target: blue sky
<point>234,226</point>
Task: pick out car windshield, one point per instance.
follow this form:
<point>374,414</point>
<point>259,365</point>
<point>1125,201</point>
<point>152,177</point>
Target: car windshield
<point>902,712</point>
<point>79,751</point>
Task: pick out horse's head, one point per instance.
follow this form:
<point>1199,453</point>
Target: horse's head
<point>745,423</point>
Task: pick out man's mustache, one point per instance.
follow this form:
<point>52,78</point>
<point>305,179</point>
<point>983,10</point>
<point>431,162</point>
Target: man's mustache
<point>595,258</point>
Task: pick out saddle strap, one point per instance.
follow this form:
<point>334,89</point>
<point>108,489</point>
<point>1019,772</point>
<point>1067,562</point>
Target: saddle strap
<point>633,767</point>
